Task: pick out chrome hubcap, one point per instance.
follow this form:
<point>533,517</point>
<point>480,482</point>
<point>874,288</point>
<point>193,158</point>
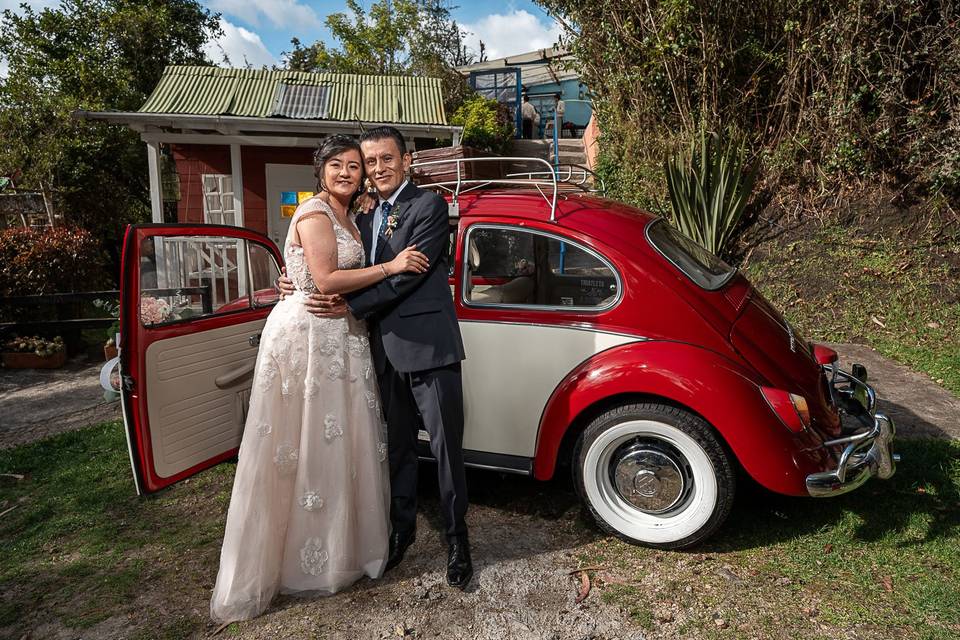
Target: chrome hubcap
<point>649,476</point>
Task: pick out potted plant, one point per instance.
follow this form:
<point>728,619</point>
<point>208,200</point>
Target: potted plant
<point>34,353</point>
<point>112,309</point>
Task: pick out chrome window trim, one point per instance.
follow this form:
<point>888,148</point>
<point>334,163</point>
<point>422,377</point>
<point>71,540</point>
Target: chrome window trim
<point>721,285</point>
<point>572,327</point>
<point>535,307</point>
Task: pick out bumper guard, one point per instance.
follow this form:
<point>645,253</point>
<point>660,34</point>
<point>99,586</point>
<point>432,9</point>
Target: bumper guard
<point>867,450</point>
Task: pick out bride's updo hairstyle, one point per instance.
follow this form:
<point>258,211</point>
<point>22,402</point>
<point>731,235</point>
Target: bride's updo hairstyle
<point>334,146</point>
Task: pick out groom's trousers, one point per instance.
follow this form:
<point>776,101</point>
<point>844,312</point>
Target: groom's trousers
<point>432,399</point>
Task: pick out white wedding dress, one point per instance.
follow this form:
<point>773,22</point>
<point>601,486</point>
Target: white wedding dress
<point>310,505</point>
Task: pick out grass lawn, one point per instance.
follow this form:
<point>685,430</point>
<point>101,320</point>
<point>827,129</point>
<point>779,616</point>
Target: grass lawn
<point>80,547</point>
<point>82,552</point>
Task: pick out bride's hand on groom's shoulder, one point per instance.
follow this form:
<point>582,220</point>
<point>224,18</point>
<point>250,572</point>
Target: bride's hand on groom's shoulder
<point>366,202</point>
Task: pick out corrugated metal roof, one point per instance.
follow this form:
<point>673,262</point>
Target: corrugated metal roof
<point>192,90</point>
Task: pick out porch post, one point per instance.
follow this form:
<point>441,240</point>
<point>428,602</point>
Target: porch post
<point>237,170</point>
<point>153,168</point>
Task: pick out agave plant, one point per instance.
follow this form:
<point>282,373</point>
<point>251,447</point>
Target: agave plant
<point>709,183</point>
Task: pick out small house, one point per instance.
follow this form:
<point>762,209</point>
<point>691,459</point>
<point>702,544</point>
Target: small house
<point>235,146</point>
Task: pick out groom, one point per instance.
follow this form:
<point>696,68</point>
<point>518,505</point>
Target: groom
<point>415,343</point>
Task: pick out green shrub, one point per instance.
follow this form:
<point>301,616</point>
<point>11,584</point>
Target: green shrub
<point>709,184</point>
<point>486,124</point>
<point>836,95</point>
<point>37,261</point>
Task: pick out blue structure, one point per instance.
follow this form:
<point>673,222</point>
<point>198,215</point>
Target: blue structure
<point>541,75</point>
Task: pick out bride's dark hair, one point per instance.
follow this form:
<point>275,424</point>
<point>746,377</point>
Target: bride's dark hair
<point>334,146</point>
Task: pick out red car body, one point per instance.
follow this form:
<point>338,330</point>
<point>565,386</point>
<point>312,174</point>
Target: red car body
<point>718,364</point>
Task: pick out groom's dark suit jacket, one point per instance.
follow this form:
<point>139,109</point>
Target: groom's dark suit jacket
<point>412,317</point>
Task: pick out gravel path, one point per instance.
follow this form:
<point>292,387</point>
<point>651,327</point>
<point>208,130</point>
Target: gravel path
<point>38,403</point>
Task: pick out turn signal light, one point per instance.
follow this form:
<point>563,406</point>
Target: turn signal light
<point>792,409</point>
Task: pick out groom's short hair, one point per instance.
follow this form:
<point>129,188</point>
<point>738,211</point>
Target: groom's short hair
<point>384,132</point>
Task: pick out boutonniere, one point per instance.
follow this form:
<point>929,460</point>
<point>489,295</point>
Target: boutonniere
<point>393,219</point>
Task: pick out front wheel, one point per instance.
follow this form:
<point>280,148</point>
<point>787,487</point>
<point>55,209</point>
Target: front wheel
<point>655,475</point>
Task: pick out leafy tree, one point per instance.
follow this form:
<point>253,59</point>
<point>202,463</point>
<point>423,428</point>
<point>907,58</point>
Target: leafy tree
<point>396,37</point>
<point>90,55</point>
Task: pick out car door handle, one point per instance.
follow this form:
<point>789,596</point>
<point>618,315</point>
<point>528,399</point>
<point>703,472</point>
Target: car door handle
<point>231,378</point>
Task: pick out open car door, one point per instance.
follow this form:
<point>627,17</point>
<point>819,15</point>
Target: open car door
<point>193,300</point>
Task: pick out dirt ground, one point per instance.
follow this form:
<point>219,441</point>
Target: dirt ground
<point>38,403</point>
<point>529,538</point>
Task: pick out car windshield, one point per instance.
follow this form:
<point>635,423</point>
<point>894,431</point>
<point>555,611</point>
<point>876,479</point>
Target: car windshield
<point>698,264</point>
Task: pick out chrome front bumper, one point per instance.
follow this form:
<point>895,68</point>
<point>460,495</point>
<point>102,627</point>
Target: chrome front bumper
<point>867,449</point>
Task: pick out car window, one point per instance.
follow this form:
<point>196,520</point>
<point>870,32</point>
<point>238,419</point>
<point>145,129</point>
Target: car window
<point>507,266</point>
<point>184,277</point>
<point>705,269</point>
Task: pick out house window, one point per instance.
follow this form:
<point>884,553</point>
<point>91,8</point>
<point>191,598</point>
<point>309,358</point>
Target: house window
<point>218,207</point>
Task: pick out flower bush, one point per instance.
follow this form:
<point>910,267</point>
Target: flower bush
<point>37,261</point>
<point>155,310</point>
<point>34,344</point>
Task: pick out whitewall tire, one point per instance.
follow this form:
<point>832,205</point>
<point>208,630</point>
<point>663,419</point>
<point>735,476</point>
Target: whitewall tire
<point>655,475</point>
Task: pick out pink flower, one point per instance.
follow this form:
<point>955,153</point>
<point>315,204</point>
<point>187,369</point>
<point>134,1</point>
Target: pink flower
<point>154,310</point>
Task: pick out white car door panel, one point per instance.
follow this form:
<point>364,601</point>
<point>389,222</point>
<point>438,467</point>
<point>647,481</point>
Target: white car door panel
<point>191,417</point>
<point>510,373</point>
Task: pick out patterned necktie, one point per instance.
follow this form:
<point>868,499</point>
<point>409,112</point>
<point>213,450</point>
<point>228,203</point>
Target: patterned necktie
<point>384,214</point>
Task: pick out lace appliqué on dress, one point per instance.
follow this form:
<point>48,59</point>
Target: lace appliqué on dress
<point>336,369</point>
<point>311,501</point>
<point>331,427</point>
<point>313,557</point>
<point>286,458</point>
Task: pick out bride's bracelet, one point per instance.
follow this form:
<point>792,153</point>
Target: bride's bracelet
<point>383,271</point>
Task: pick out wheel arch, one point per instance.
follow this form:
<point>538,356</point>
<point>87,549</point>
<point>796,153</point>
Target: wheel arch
<point>721,392</point>
<point>582,420</point>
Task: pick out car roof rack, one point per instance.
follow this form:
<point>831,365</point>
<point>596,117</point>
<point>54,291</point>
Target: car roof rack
<point>564,174</point>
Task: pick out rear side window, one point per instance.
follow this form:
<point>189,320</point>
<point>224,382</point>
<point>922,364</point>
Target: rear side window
<point>698,264</point>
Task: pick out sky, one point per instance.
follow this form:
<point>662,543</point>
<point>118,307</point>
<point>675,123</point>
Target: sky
<point>258,32</point>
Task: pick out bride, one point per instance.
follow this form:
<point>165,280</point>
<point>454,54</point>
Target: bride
<point>310,505</point>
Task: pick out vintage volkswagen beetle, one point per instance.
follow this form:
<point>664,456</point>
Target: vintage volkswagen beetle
<point>596,336</point>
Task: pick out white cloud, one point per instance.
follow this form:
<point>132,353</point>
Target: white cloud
<point>279,13</point>
<point>507,34</point>
<point>240,46</point>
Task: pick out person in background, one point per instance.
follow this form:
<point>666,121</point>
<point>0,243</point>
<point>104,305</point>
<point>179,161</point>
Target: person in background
<point>559,108</point>
<point>529,115</point>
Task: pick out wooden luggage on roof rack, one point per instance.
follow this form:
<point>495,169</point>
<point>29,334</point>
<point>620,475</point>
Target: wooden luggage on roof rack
<point>446,172</point>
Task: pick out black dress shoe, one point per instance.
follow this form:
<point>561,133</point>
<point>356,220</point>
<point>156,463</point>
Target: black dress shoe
<point>459,565</point>
<point>399,542</point>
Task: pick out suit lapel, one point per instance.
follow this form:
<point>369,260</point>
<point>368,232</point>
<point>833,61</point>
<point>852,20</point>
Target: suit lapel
<point>366,234</point>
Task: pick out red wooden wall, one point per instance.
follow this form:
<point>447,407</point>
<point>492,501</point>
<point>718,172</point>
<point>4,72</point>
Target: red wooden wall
<point>194,160</point>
